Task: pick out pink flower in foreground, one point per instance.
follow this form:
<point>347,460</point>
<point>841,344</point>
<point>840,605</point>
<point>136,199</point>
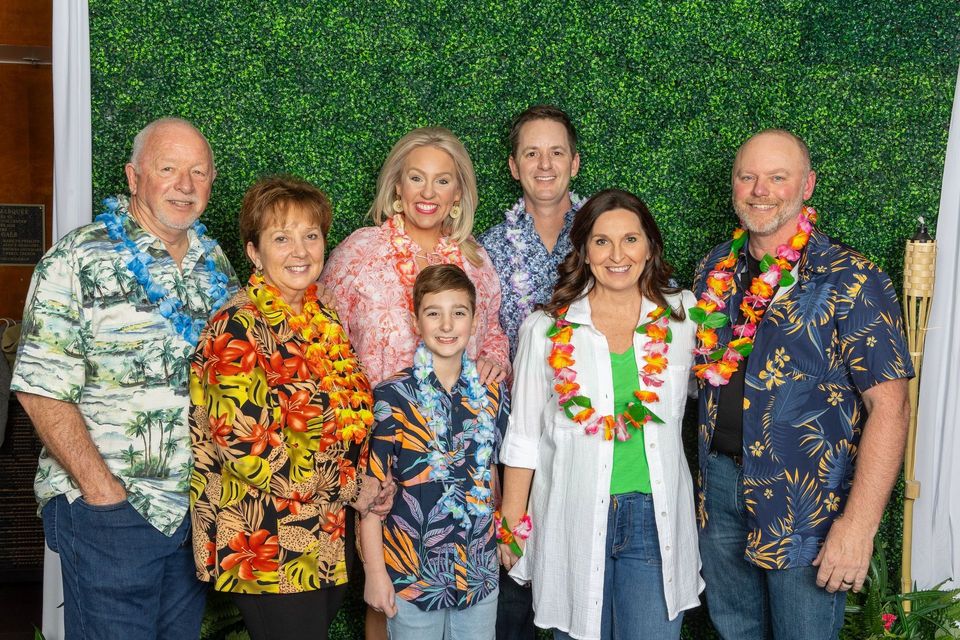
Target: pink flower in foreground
<point>788,253</point>
<point>746,330</point>
<point>888,620</point>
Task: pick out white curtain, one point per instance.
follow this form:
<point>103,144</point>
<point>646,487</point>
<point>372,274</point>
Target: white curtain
<point>72,165</point>
<point>72,193</point>
<point>936,525</point>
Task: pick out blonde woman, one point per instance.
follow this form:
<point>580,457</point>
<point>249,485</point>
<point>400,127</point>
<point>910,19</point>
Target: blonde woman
<point>424,207</point>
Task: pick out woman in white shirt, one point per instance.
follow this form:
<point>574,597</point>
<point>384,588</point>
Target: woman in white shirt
<point>598,397</point>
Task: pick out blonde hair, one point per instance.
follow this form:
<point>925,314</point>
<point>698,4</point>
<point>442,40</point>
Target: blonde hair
<point>458,230</point>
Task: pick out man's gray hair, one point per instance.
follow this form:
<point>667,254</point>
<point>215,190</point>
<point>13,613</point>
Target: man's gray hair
<point>140,140</point>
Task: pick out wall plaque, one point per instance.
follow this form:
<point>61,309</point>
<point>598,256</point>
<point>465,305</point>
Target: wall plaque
<point>21,234</point>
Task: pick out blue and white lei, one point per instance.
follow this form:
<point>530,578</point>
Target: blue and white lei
<point>481,430</point>
<point>138,263</point>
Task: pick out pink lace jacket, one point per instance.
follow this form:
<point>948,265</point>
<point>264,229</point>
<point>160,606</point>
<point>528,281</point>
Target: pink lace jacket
<point>372,304</point>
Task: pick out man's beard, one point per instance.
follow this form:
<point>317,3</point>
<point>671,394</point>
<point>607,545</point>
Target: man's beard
<point>769,226</point>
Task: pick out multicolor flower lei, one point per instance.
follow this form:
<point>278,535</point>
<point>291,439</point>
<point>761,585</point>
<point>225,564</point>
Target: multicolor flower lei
<point>579,408</point>
<point>481,430</point>
<point>520,278</point>
<point>508,536</point>
<point>138,263</point>
<point>328,355</point>
<point>446,252</point>
<point>708,312</point>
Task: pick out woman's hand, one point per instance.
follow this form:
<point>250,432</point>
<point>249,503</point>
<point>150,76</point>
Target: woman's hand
<point>383,503</point>
<point>375,496</point>
<point>507,557</point>
<point>326,297</point>
<point>490,371</point>
<point>379,594</point>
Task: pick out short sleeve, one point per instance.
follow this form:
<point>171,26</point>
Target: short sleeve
<point>51,358</point>
<point>503,417</point>
<point>872,340</point>
<point>386,440</point>
<point>531,392</point>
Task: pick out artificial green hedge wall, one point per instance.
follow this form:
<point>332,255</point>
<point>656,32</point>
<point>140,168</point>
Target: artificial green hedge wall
<point>662,93</point>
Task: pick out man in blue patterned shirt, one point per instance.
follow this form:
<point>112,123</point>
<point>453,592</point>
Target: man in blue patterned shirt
<point>530,244</point>
<point>526,250</point>
<point>110,326</point>
<point>801,444</point>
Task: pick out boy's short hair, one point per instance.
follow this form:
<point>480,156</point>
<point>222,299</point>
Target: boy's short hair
<point>442,277</point>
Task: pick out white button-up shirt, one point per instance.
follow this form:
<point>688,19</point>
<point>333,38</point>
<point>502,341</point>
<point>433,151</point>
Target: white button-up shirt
<point>569,500</point>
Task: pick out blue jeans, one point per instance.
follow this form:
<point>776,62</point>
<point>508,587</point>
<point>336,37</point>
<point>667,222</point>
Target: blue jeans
<point>476,622</point>
<point>514,610</point>
<point>633,602</point>
<point>122,578</point>
<point>745,601</point>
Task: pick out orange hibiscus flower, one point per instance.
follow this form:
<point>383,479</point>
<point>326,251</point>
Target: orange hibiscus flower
<point>296,410</point>
<point>227,357</point>
<point>256,553</point>
<point>336,524</point>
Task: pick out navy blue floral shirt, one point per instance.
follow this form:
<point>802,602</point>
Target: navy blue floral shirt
<point>831,336</point>
<point>536,260</point>
<point>433,560</point>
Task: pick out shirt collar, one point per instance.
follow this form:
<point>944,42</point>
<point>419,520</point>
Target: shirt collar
<point>579,311</point>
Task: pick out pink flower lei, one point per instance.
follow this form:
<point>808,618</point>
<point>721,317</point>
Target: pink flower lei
<point>405,252</point>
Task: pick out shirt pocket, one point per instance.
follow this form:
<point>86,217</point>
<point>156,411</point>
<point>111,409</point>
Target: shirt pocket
<point>677,384</point>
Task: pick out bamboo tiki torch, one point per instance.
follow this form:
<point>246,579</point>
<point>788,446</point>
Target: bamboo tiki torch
<point>919,266</point>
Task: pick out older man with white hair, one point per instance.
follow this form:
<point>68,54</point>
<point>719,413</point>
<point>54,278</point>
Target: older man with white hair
<point>113,316</point>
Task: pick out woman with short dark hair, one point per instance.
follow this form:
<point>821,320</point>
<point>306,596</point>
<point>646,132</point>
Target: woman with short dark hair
<point>279,425</point>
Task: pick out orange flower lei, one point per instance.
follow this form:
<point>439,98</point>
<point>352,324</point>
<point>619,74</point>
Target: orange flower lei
<point>446,252</point>
<point>708,312</point>
<point>328,355</point>
<point>579,408</point>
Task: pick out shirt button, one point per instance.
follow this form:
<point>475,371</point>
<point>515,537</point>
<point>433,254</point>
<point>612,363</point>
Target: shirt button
<point>653,445</point>
<point>667,548</point>
<point>663,513</point>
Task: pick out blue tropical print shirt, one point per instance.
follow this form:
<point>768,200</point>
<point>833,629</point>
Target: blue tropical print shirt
<point>537,261</point>
<point>434,561</point>
<point>825,340</point>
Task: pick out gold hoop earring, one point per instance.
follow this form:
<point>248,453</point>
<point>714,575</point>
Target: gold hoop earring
<point>455,211</point>
<point>398,206</point>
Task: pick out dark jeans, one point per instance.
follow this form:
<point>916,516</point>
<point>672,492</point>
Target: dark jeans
<point>514,610</point>
<point>745,601</point>
<point>122,578</point>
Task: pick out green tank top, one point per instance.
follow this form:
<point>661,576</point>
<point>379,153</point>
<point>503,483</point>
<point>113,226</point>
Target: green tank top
<point>630,469</point>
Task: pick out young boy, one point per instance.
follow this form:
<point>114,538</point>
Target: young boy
<point>432,566</point>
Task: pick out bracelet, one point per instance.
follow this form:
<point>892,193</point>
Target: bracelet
<point>508,536</point>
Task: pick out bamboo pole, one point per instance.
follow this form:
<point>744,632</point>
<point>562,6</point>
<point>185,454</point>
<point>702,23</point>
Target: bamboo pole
<point>919,267</point>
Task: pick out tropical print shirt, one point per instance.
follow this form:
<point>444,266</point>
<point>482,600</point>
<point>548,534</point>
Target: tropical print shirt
<point>823,341</point>
<point>275,462</point>
<point>540,264</point>
<point>432,559</point>
<point>91,337</point>
<point>362,274</point>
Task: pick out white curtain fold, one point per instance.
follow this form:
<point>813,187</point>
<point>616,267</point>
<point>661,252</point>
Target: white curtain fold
<point>72,194</point>
<point>936,524</point>
<point>72,140</point>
